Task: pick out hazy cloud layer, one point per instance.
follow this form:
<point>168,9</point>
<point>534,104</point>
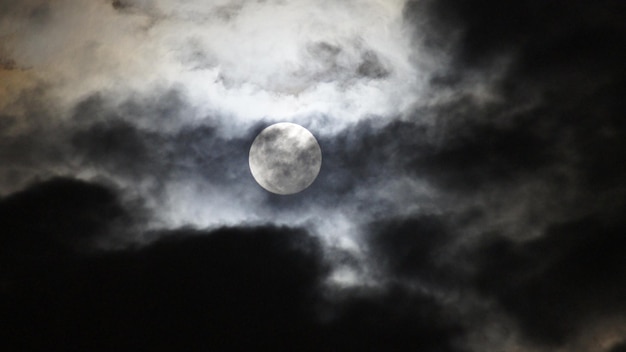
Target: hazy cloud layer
<point>471,195</point>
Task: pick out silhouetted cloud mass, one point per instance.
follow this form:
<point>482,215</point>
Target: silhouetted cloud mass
<point>470,198</point>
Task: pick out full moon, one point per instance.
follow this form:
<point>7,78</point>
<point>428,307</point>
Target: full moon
<point>285,158</point>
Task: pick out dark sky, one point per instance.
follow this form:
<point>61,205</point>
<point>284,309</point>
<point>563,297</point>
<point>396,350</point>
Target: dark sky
<point>471,197</point>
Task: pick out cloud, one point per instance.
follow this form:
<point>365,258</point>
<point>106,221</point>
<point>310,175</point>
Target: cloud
<point>232,288</point>
<point>470,196</point>
<point>412,248</point>
<point>555,285</point>
<point>61,215</point>
<point>287,68</point>
<point>620,348</point>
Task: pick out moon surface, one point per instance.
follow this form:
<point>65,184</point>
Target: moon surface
<point>285,158</point>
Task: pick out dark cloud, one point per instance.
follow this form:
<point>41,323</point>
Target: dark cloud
<point>331,62</point>
<point>232,289</point>
<point>57,216</point>
<point>28,148</point>
<point>115,144</point>
<point>7,64</point>
<point>363,154</point>
<point>458,153</point>
<point>37,11</point>
<point>130,139</point>
<point>120,5</point>
<point>396,320</point>
<point>544,35</point>
<point>519,156</point>
<point>134,7</point>
<point>229,289</point>
<point>371,66</point>
<point>160,109</point>
<point>413,247</point>
<point>557,114</point>
<point>555,284</point>
<point>619,348</point>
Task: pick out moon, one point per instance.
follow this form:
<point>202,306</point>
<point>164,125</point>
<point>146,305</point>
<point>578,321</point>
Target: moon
<point>285,158</point>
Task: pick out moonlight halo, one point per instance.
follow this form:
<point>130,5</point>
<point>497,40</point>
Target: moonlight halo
<point>285,158</point>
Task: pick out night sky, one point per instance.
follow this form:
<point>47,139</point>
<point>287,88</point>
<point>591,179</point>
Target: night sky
<point>471,198</point>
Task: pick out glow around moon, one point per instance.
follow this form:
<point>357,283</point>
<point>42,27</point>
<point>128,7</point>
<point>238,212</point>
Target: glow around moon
<point>285,158</point>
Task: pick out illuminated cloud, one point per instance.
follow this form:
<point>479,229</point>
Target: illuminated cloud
<point>470,196</point>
